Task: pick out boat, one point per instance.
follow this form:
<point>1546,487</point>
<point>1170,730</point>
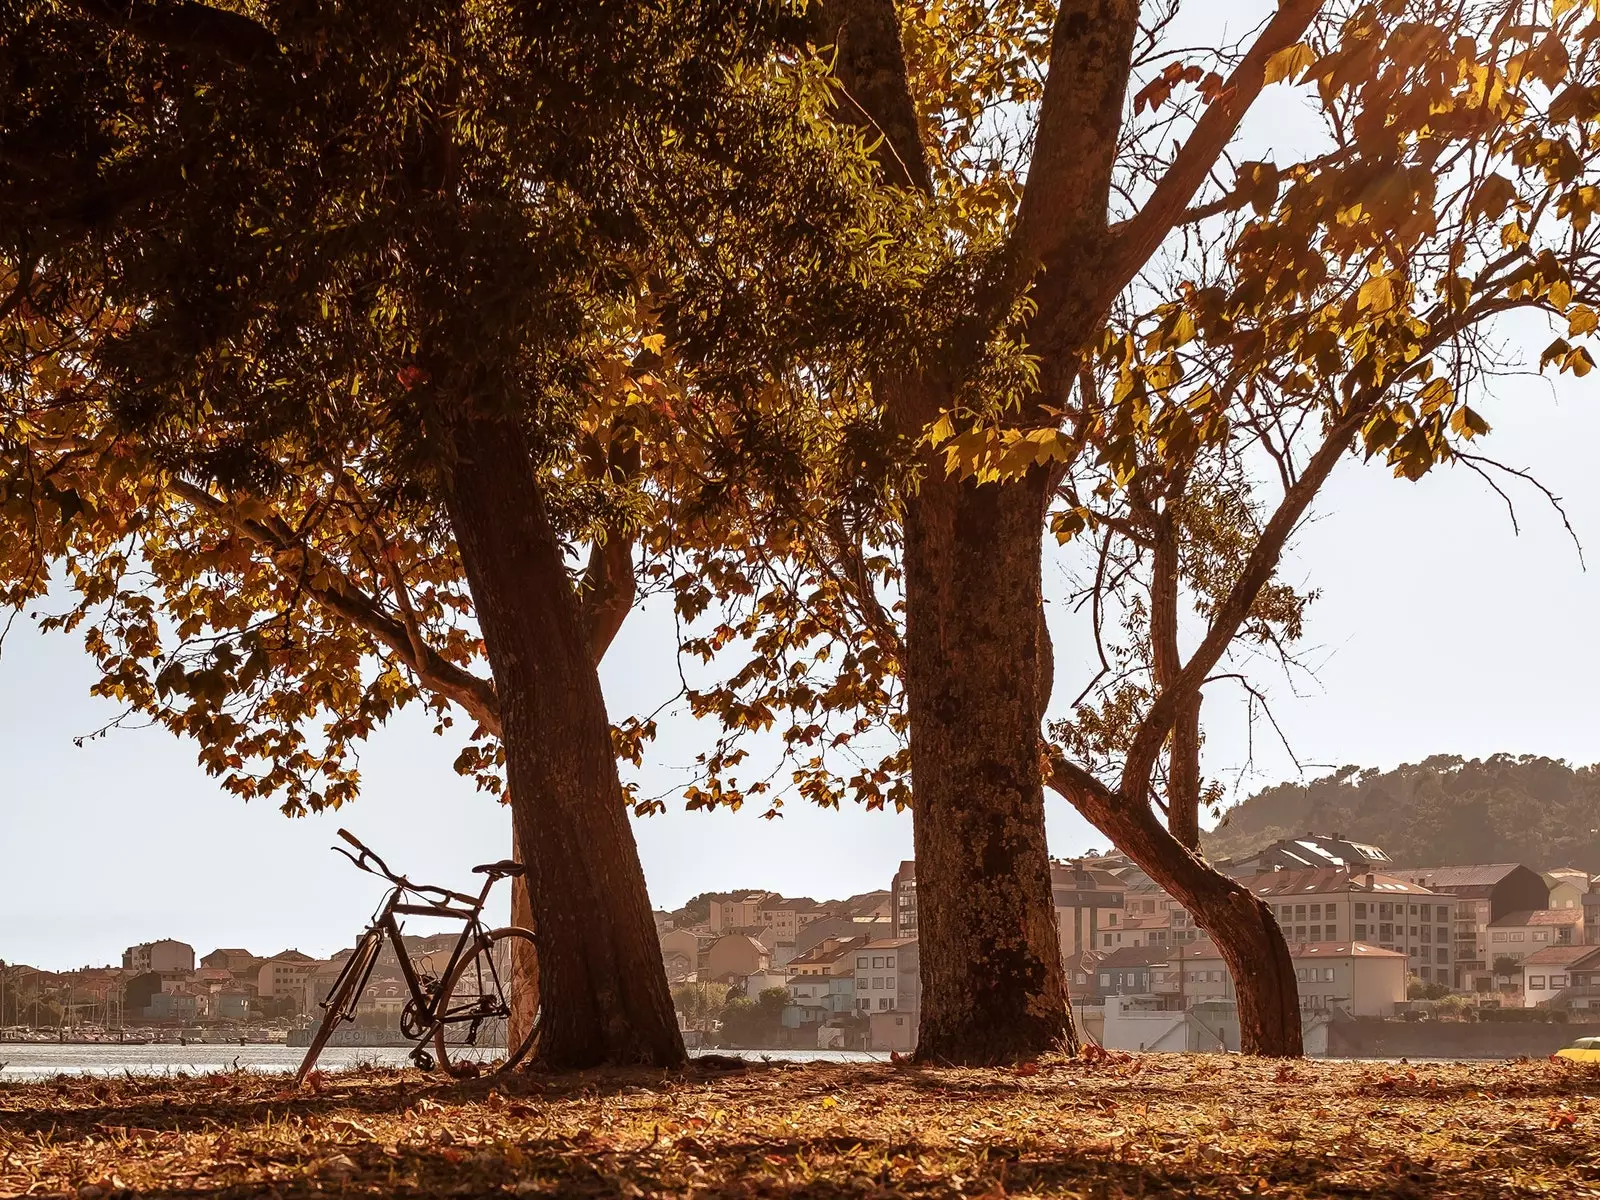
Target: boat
<point>1585,1049</point>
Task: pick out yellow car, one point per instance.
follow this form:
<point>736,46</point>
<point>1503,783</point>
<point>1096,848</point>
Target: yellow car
<point>1583,1050</point>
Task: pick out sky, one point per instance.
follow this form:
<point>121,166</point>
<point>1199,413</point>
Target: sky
<point>1438,629</point>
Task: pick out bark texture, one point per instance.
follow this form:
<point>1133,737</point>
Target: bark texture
<point>605,997</point>
<point>1183,752</point>
<point>993,988</point>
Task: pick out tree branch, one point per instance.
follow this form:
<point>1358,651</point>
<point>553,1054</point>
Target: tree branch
<point>189,26</point>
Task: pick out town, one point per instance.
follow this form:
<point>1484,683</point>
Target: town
<point>1371,941</point>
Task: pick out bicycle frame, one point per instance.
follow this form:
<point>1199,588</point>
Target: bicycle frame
<point>428,1004</point>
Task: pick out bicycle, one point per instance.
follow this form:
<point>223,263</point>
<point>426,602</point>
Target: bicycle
<point>455,1008</point>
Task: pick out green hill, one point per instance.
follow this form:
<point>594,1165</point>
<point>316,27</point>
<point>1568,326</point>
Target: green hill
<point>1445,809</point>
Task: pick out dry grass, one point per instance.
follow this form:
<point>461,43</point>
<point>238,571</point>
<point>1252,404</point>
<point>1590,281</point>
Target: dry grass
<point>1150,1125</point>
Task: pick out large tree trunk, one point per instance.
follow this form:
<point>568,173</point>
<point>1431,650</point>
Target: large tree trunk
<point>603,992</point>
<point>1183,750</point>
<point>993,988</point>
<point>1236,919</point>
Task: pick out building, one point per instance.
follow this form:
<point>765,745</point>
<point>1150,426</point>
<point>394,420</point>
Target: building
<point>1345,976</point>
<point>1330,905</point>
<point>871,906</point>
<point>734,956</point>
<point>231,959</point>
<point>283,977</point>
<point>1315,850</point>
<point>879,969</point>
<point>1547,972</point>
<point>1482,893</point>
<point>836,928</point>
<point>686,947</point>
<point>1591,915</point>
<point>903,897</point>
<point>787,917</point>
<point>1583,982</point>
<point>164,956</point>
<point>1516,935</point>
<point>1567,885</point>
<point>739,911</point>
<point>1087,902</point>
<point>1131,971</point>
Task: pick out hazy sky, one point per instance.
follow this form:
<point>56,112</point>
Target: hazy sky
<point>1437,630</point>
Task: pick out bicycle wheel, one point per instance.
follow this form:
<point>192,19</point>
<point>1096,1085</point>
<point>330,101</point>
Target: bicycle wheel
<point>351,979</point>
<point>475,1005</point>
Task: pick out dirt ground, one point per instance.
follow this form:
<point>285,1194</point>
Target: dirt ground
<point>1110,1126</point>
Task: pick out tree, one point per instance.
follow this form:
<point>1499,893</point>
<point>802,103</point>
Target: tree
<point>1077,363</point>
<point>318,317</point>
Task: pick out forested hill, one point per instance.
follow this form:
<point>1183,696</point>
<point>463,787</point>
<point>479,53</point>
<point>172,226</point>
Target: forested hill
<point>1538,811</point>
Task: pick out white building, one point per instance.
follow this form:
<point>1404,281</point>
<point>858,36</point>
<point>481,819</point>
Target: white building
<point>165,955</point>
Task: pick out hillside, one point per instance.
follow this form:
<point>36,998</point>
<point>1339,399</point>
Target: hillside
<point>1445,809</point>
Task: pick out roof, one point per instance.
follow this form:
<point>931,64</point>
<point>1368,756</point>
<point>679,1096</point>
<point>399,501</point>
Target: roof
<point>1137,956</point>
<point>1330,879</point>
<point>739,937</point>
<point>1162,920</point>
<point>1477,875</point>
<point>1560,956</point>
<point>1539,916</point>
<point>888,943</point>
<point>1206,949</point>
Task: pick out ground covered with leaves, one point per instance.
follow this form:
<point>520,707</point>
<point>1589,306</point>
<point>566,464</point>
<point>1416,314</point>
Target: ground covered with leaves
<point>1108,1126</point>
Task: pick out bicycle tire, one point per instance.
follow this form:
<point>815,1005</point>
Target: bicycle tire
<point>447,988</point>
<point>354,975</point>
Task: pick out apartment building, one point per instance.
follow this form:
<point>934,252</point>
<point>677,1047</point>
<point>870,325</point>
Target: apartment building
<point>165,955</point>
<point>1331,905</point>
<point>284,976</point>
<point>887,975</point>
<point>740,911</point>
<point>1088,903</point>
<point>903,900</point>
<point>1482,893</point>
<point>1517,935</point>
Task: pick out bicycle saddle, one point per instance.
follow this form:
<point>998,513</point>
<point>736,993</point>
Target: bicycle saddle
<point>503,869</point>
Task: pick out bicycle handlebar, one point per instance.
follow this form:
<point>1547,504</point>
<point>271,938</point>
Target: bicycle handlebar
<point>379,867</point>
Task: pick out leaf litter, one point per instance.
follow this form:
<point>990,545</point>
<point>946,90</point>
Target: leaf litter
<point>1107,1125</point>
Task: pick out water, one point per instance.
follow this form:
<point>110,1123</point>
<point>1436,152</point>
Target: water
<point>43,1060</point>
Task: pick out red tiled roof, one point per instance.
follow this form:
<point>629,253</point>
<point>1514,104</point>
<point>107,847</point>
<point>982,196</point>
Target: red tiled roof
<point>1539,916</point>
<point>1321,880</point>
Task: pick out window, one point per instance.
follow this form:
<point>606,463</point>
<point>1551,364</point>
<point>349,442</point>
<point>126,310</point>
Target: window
<point>1332,932</point>
<point>1299,912</point>
<point>1316,933</point>
<point>1111,919</point>
<point>1386,933</point>
<point>1413,910</point>
<point>1361,909</point>
<point>1080,978</point>
<point>1300,932</point>
<point>1361,931</point>
<point>1105,979</point>
<point>1558,981</point>
<point>1300,974</point>
<point>1442,934</point>
<point>1536,981</point>
<point>1498,935</point>
<point>888,960</point>
<point>861,964</point>
<point>883,1003</point>
<point>1427,933</point>
<point>1213,976</point>
<point>1441,955</point>
<point>1441,913</point>
<point>1108,939</point>
<point>1316,911</point>
<point>877,961</point>
<point>1327,974</point>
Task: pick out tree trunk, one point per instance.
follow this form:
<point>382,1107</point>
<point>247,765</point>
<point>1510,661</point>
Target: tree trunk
<point>603,991</point>
<point>524,960</point>
<point>1239,922</point>
<point>993,988</point>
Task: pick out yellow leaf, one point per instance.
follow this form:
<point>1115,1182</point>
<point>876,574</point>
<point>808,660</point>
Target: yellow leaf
<point>1561,294</point>
<point>1582,319</point>
<point>1377,294</point>
<point>1289,62</point>
<point>656,343</point>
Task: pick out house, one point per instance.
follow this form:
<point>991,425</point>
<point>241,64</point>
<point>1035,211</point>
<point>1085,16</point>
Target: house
<point>231,1005</point>
<point>1547,972</point>
<point>688,945</point>
<point>785,917</point>
<point>165,955</point>
<point>1329,904</point>
<point>893,1030</point>
<point>879,968</point>
<point>1314,851</point>
<point>1087,901</point>
<point>1353,977</point>
<point>736,955</point>
<point>738,911</point>
<point>903,897</point>
<point>1583,983</point>
<point>1518,934</point>
<point>1591,914</point>
<point>839,927</point>
<point>1483,893</point>
<point>284,975</point>
<point>1129,971</point>
<point>1567,885</point>
<point>171,1006</point>
<point>231,959</point>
